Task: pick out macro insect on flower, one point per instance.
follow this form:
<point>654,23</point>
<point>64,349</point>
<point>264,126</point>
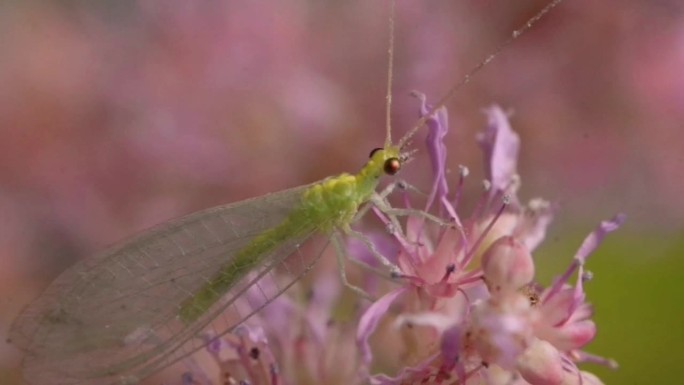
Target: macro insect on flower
<point>467,309</point>
<point>467,284</point>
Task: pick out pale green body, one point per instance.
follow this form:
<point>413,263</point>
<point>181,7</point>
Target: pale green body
<point>324,206</point>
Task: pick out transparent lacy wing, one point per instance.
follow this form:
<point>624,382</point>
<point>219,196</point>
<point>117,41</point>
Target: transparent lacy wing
<point>112,319</point>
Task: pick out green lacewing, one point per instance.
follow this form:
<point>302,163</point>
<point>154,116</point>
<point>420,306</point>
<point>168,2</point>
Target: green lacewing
<point>139,306</point>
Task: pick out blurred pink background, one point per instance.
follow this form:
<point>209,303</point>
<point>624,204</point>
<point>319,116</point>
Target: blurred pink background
<point>117,115</point>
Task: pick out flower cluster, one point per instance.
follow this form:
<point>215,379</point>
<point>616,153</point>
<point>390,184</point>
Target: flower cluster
<point>288,342</point>
<point>470,311</point>
<point>467,309</point>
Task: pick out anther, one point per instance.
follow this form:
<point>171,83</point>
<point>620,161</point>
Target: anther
<point>390,228</point>
<point>486,185</point>
<point>463,171</point>
<point>450,269</point>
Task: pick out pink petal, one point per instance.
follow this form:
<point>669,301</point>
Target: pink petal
<point>408,375</point>
<point>574,335</point>
<point>500,145</point>
<point>369,322</point>
<point>594,239</point>
<point>590,243</point>
<point>590,379</point>
<point>556,309</point>
<point>533,223</point>
<point>438,126</point>
<point>450,346</point>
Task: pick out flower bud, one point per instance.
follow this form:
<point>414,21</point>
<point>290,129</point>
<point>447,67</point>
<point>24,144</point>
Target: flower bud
<point>507,266</point>
<point>541,364</point>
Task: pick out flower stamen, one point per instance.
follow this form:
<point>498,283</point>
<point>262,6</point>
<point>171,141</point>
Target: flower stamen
<point>471,252</point>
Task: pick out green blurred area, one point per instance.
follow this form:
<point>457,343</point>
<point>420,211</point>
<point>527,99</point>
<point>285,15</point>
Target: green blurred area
<point>636,291</point>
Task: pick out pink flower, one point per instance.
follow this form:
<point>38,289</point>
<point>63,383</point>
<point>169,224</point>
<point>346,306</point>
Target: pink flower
<point>469,309</point>
<point>287,343</point>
